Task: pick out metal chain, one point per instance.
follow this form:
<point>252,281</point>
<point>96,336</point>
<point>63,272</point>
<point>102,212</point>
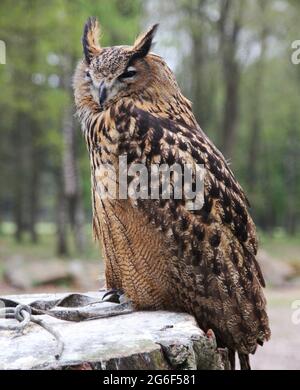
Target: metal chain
<point>23,314</point>
<point>87,308</point>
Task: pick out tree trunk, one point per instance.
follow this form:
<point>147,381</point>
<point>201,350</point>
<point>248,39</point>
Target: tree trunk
<point>256,110</point>
<point>200,90</point>
<point>19,172</point>
<point>164,344</point>
<point>291,178</point>
<point>230,112</point>
<point>61,220</point>
<point>34,184</point>
<point>229,26</point>
<point>72,189</point>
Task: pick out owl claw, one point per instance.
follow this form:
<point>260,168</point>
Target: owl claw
<point>120,304</point>
<point>113,295</point>
<point>210,334</point>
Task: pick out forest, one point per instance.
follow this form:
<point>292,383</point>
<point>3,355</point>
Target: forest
<point>238,62</point>
<point>232,59</point>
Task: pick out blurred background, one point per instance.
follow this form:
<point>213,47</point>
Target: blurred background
<point>232,58</point>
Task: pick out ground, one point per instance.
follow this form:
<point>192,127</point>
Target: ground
<point>282,351</point>
<point>85,272</point>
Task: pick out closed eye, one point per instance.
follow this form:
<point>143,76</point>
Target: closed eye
<point>129,73</point>
<point>87,75</point>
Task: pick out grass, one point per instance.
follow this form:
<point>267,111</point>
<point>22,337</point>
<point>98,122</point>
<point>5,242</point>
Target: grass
<point>46,246</point>
<point>281,246</point>
<point>278,244</point>
<point>282,297</point>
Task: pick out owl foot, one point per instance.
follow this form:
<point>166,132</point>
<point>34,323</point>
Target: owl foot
<point>114,309</point>
<point>113,295</point>
<point>210,334</point>
<point>113,303</point>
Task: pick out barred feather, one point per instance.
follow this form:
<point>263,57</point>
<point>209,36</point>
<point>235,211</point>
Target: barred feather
<point>161,253</point>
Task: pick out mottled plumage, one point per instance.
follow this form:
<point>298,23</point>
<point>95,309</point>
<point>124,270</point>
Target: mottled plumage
<point>160,253</point>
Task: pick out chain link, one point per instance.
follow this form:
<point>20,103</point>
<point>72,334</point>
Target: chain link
<point>23,314</point>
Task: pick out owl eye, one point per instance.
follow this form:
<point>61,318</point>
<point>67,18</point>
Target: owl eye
<point>129,73</point>
<point>87,75</point>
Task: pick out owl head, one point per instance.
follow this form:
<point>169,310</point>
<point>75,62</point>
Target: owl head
<point>118,71</point>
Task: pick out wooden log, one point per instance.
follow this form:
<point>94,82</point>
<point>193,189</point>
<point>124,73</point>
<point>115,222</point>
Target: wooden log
<point>139,340</point>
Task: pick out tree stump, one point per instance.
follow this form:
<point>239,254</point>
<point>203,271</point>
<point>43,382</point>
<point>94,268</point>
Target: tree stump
<point>140,341</point>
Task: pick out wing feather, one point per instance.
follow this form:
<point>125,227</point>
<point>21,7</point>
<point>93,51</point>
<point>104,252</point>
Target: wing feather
<point>216,246</point>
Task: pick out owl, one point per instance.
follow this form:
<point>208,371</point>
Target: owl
<point>161,253</point>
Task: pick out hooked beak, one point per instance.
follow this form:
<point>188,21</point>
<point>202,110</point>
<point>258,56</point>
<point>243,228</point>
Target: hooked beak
<point>102,93</point>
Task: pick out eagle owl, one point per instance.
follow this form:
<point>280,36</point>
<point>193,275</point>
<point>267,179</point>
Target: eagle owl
<point>159,252</point>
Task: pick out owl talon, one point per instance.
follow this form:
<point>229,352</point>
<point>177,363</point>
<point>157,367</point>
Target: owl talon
<point>114,295</point>
<point>115,309</point>
<point>210,334</point>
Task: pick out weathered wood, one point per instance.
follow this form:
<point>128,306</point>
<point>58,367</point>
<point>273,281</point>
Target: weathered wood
<point>140,340</point>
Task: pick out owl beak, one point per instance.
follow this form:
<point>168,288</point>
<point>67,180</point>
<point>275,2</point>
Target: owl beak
<point>102,93</point>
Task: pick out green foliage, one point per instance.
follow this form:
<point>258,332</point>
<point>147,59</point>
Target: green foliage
<point>268,94</point>
<point>45,248</point>
<point>43,42</point>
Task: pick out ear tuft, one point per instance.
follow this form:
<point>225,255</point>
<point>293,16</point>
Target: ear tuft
<point>143,43</point>
<point>90,39</point>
